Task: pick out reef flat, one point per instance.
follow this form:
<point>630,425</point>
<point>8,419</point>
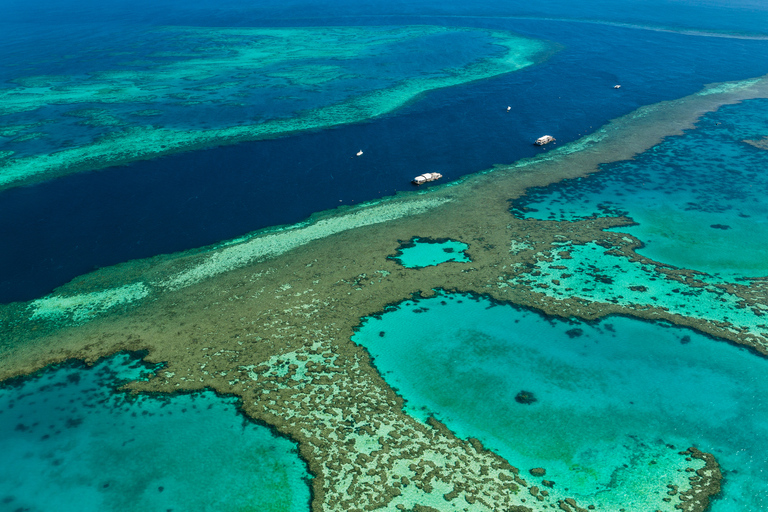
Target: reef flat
<point>260,82</point>
<point>269,318</point>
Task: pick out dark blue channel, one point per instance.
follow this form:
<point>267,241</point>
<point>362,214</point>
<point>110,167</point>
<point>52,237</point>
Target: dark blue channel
<point>59,229</point>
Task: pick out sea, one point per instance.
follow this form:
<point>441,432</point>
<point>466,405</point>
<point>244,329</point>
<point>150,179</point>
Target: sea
<point>126,132</point>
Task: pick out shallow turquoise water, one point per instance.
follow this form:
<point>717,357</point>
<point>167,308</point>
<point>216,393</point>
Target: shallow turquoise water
<point>699,199</point>
<point>422,252</point>
<point>610,393</point>
<point>67,438</point>
<point>592,272</point>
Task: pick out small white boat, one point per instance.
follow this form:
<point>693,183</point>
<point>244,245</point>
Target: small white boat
<point>544,140</point>
<point>509,108</point>
<point>359,153</point>
<point>427,176</point>
<point>617,87</point>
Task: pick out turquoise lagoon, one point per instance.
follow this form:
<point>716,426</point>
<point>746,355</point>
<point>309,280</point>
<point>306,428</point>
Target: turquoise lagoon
<point>612,397</point>
<point>698,199</point>
<point>423,252</point>
<point>69,438</point>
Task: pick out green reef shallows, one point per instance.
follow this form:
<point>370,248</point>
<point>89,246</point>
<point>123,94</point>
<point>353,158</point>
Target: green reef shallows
<point>224,86</point>
<point>591,272</point>
<point>615,400</point>
<point>697,199</point>
<point>423,252</point>
<point>69,438</point>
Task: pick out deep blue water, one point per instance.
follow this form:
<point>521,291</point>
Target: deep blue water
<point>742,16</point>
<point>65,227</point>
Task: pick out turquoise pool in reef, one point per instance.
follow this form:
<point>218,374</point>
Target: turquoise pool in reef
<point>92,448</point>
<point>613,398</point>
<point>698,199</point>
<point>422,252</point>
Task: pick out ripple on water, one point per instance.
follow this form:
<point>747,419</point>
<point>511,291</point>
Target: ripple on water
<point>608,394</point>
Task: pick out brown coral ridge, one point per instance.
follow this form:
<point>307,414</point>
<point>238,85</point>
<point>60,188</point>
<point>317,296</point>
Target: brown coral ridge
<point>704,485</point>
<point>280,340</point>
<point>570,505</point>
<point>278,335</point>
<point>296,375</point>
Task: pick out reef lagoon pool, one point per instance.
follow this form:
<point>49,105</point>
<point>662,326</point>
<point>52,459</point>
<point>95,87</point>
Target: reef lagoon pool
<point>420,252</point>
<point>606,403</point>
<point>69,437</point>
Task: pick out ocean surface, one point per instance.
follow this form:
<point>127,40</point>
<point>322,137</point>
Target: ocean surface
<point>66,227</point>
<point>78,74</point>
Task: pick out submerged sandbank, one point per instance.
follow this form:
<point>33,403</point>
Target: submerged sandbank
<point>225,86</point>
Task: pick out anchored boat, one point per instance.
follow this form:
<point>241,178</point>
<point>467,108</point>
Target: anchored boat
<point>544,140</point>
<point>427,176</point>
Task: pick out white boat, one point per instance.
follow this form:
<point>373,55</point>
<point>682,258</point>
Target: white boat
<point>617,87</point>
<point>360,153</point>
<point>427,176</point>
<point>544,140</point>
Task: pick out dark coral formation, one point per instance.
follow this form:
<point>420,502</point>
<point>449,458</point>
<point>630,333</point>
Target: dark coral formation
<point>525,397</point>
<point>704,485</point>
